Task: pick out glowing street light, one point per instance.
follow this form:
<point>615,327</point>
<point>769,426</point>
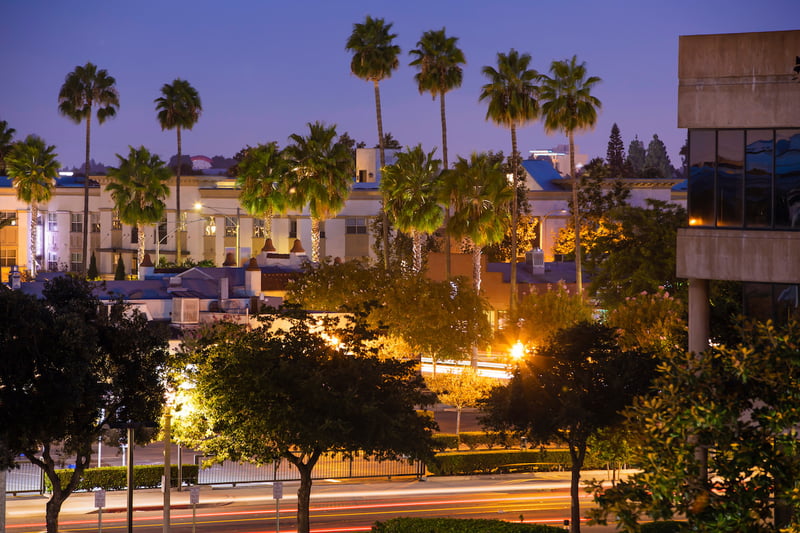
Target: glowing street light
<point>517,351</point>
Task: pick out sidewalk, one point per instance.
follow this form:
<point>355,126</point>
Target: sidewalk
<point>211,496</point>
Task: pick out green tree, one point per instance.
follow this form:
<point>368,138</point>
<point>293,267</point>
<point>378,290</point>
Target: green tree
<point>287,392</point>
<point>179,108</point>
<point>119,273</point>
<point>541,314</point>
<point>656,161</point>
<point>322,174</point>
<point>67,369</point>
<point>615,155</point>
<point>6,138</point>
<point>410,189</point>
<point>438,60</point>
<point>263,178</point>
<point>575,385</point>
<point>85,88</point>
<point>138,187</point>
<point>569,106</point>
<point>375,56</point>
<point>738,402</point>
<point>637,252</point>
<point>653,321</point>
<point>330,286</point>
<point>512,97</point>
<point>481,198</point>
<point>636,157</point>
<point>460,389</point>
<point>92,274</point>
<point>33,168</point>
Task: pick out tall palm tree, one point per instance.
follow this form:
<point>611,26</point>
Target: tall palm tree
<point>374,59</point>
<point>439,61</point>
<point>6,136</point>
<point>323,170</point>
<point>85,88</point>
<point>568,106</point>
<point>410,190</point>
<point>178,108</point>
<point>32,167</point>
<point>139,186</point>
<point>512,94</point>
<point>482,197</point>
<point>263,179</point>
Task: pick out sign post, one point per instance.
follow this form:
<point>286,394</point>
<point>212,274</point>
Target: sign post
<point>100,502</point>
<point>194,499</point>
<point>277,494</point>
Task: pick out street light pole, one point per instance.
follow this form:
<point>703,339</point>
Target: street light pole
<point>166,485</point>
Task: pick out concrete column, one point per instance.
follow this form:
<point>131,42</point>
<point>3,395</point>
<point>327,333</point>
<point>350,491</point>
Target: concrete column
<point>699,325</point>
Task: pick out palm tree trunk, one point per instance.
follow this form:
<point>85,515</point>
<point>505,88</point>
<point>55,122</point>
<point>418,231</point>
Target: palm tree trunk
<point>140,252</point>
<point>476,266</point>
<point>577,216</point>
<point>178,219</point>
<point>86,195</point>
<point>447,243</point>
<point>314,239</point>
<point>416,243</point>
<point>514,207</point>
<point>32,244</point>
<point>384,217</point>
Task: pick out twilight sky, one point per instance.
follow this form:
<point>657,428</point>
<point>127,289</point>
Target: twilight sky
<point>264,68</point>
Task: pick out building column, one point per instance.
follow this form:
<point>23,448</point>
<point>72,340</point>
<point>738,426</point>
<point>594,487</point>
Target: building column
<point>699,312</point>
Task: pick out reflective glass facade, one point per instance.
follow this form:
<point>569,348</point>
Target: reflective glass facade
<point>744,178</point>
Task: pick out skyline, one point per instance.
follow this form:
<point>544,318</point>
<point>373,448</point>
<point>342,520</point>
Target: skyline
<point>263,70</point>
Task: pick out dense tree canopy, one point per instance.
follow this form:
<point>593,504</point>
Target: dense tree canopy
<point>68,367</point>
<point>285,390</point>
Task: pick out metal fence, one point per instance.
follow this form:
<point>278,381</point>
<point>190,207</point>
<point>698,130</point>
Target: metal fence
<point>27,477</point>
<point>328,467</point>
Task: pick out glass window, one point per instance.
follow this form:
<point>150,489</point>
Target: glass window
<point>76,222</point>
<point>8,256</point>
<point>210,226</point>
<point>356,226</point>
<point>76,261</point>
<point>94,218</point>
<point>730,178</point>
<point>702,154</point>
<point>231,226</point>
<point>134,235</point>
<point>52,221</point>
<point>116,223</point>
<point>758,179</point>
<point>292,228</point>
<point>52,261</point>
<point>259,230</point>
<point>162,230</point>
<point>787,179</point>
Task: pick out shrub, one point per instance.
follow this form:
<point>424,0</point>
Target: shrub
<point>667,526</point>
<point>455,525</point>
<point>115,477</point>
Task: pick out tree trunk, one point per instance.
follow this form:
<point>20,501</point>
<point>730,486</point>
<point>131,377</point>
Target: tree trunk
<point>178,220</point>
<point>140,244</point>
<point>60,493</point>
<point>304,490</point>
<point>314,239</point>
<point>577,216</point>
<point>476,267</point>
<point>577,453</point>
<point>416,240</point>
<point>382,153</point>
<point>86,195</point>
<point>447,251</point>
<point>514,207</point>
<point>34,216</point>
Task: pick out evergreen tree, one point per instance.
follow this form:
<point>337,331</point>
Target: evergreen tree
<point>636,155</point>
<point>657,159</point>
<point>615,155</point>
<point>119,273</point>
<point>92,273</point>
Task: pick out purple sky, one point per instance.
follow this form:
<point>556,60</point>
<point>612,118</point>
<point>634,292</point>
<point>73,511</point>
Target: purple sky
<point>264,68</point>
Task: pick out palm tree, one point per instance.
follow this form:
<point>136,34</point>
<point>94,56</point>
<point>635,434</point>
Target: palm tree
<point>178,108</point>
<point>84,88</point>
<point>482,196</point>
<point>512,93</point>
<point>569,106</point>
<point>439,60</point>
<point>410,190</point>
<point>322,170</point>
<point>6,135</point>
<point>32,167</point>
<point>374,59</point>
<point>263,180</point>
<point>138,187</point>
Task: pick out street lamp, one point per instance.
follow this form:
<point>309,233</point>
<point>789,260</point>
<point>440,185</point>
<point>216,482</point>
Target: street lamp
<point>541,226</point>
<point>199,207</point>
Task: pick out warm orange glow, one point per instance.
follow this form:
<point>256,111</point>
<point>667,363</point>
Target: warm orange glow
<point>517,351</point>
<point>695,221</point>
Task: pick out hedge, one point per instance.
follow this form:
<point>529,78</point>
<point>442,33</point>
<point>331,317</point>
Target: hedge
<point>455,525</point>
<point>475,439</point>
<point>505,461</point>
<point>667,526</point>
<point>115,477</point>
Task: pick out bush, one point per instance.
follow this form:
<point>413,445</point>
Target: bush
<point>455,525</point>
<point>115,477</point>
<point>506,462</point>
<point>667,526</point>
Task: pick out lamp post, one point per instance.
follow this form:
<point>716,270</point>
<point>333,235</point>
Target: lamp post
<point>512,180</point>
<point>541,226</point>
<point>199,207</point>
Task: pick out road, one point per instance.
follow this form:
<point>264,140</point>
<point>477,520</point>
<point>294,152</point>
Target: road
<point>335,507</point>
